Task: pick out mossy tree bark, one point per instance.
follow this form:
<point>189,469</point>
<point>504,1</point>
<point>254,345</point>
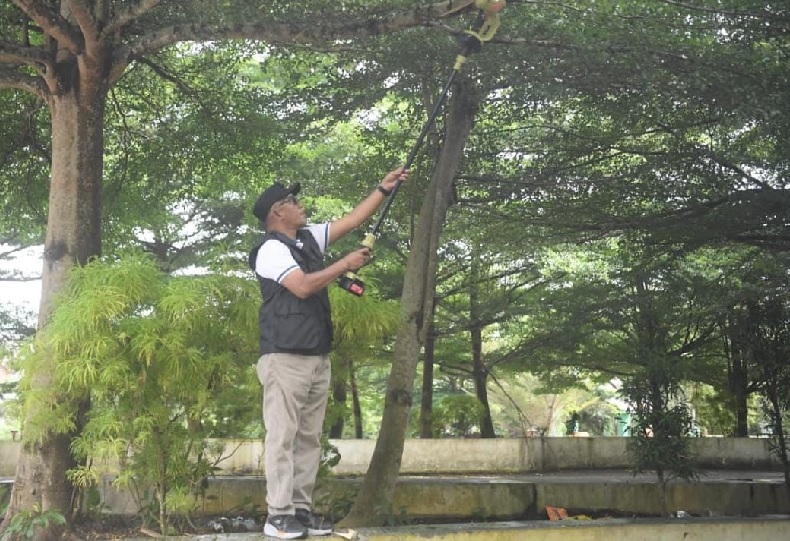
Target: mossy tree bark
<point>371,507</point>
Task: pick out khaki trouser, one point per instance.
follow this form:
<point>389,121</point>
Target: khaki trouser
<point>295,390</point>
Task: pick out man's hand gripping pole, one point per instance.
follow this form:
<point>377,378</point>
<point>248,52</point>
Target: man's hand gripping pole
<point>484,28</point>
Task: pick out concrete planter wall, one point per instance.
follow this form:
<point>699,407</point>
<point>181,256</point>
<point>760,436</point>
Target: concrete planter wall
<point>463,456</point>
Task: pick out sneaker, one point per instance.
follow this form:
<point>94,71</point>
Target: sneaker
<point>315,524</point>
<point>284,527</point>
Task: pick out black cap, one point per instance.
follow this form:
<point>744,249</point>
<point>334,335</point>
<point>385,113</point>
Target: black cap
<point>272,194</point>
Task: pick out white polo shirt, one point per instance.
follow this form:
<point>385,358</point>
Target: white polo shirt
<point>274,260</point>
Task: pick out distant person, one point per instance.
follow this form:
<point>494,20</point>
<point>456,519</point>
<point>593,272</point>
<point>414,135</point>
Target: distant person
<point>295,342</point>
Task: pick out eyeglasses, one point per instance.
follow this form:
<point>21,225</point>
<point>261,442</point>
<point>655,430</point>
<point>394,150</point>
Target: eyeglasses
<point>290,198</point>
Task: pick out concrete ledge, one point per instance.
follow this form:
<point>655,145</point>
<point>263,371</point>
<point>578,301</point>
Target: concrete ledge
<point>512,497</point>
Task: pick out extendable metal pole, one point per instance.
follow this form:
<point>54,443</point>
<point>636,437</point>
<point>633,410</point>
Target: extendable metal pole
<point>484,28</point>
<point>413,153</point>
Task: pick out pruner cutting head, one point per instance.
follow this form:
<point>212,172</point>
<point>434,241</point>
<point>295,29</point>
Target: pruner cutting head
<point>489,21</point>
<point>485,27</point>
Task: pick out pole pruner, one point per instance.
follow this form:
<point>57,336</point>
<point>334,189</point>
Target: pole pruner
<point>485,26</point>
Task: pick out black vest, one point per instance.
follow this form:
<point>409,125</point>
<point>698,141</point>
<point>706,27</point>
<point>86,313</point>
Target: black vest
<point>287,323</point>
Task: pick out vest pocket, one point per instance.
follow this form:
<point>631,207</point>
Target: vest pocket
<point>295,331</point>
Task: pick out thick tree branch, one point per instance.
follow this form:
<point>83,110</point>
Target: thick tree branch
<point>128,15</point>
<point>291,33</point>
<point>165,74</point>
<point>86,21</point>
<point>13,53</point>
<point>51,23</point>
<point>737,169</point>
<point>20,81</point>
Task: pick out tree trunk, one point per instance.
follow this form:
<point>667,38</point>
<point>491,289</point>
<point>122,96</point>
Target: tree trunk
<point>739,336</point>
<point>739,383</point>
<point>357,407</point>
<point>416,308</point>
<point>339,397</point>
<point>663,500</point>
<point>479,369</point>
<point>73,237</point>
<point>480,376</point>
<point>779,438</point>
<point>552,410</point>
<point>426,403</point>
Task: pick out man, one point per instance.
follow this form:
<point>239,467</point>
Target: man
<point>295,341</point>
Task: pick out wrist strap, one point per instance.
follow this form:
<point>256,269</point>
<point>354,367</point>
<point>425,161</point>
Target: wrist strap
<point>384,190</point>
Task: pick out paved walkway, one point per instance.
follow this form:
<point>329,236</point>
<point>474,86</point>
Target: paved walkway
<point>719,529</point>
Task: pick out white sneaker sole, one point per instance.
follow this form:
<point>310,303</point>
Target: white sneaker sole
<point>270,530</point>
